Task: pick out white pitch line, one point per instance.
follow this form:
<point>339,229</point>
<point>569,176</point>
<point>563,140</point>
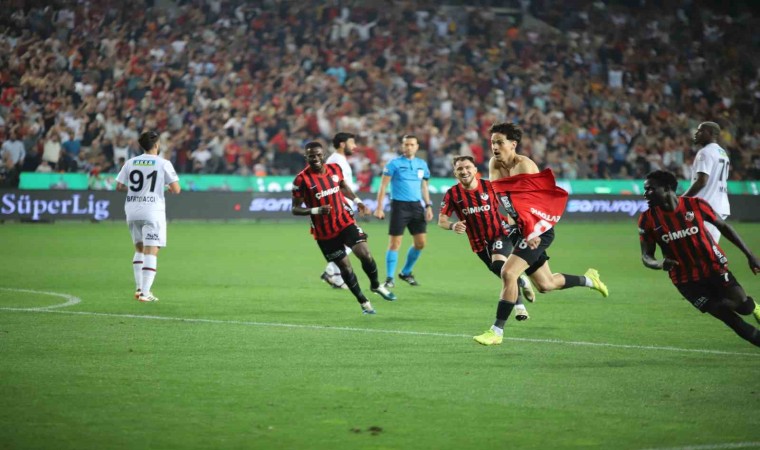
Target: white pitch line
<point>369,330</point>
<point>713,446</point>
<point>70,299</point>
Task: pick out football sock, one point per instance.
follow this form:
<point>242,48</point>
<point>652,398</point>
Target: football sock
<point>348,250</point>
<point>503,310</point>
<point>353,285</point>
<point>411,258</point>
<point>391,260</point>
<point>497,330</point>
<point>496,267</point>
<point>150,264</point>
<point>370,268</point>
<point>137,265</point>
<point>575,280</point>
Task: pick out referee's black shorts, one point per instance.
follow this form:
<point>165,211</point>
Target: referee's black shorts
<point>409,215</point>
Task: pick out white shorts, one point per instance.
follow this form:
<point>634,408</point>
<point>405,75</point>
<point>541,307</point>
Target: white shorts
<point>151,233</point>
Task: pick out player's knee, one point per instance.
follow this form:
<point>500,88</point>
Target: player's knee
<point>509,277</point>
<point>543,286</point>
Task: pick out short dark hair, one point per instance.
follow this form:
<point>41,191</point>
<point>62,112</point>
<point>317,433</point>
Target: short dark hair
<point>663,178</point>
<point>313,144</point>
<point>341,138</point>
<point>148,139</point>
<point>463,158</point>
<point>409,136</point>
<point>512,131</point>
<point>713,127</point>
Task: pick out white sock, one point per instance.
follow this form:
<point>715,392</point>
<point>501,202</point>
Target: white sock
<point>137,265</point>
<point>520,306</point>
<point>588,283</point>
<point>348,250</point>
<point>497,330</point>
<point>150,264</point>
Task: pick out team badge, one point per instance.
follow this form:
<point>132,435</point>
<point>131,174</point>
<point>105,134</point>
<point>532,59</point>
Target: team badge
<point>689,215</point>
<point>335,178</point>
<point>484,196</point>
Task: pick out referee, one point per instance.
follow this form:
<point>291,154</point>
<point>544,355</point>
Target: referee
<point>408,177</point>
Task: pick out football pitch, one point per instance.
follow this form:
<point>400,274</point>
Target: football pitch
<point>249,349</point>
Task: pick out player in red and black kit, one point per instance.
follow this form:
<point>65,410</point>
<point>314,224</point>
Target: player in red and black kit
<point>323,191</point>
<point>477,208</point>
<point>697,265</point>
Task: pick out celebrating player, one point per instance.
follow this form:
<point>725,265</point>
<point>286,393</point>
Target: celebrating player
<point>323,191</point>
<point>535,204</point>
<point>144,177</point>
<point>477,209</point>
<point>696,264</point>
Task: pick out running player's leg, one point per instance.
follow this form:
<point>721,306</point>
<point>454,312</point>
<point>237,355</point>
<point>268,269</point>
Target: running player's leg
<point>746,331</point>
<point>154,237</point>
<point>334,250</point>
<point>500,249</point>
<point>736,298</point>
<point>135,231</point>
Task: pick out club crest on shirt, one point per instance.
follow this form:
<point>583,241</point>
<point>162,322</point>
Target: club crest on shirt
<point>335,178</point>
<point>689,215</point>
<point>484,196</point>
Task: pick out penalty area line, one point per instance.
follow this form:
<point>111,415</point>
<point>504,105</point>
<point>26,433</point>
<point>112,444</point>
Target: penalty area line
<point>381,331</point>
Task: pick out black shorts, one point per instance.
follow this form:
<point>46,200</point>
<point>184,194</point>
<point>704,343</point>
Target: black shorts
<point>409,215</point>
<point>502,245</point>
<point>534,257</point>
<point>703,292</point>
<point>335,249</point>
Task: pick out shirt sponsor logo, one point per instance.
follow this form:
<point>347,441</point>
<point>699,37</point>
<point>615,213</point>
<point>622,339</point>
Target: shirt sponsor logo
<point>680,234</point>
<point>326,192</point>
<point>476,209</point>
<point>144,162</point>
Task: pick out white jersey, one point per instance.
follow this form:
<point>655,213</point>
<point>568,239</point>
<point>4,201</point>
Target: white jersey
<point>713,161</point>
<point>348,172</point>
<point>145,177</point>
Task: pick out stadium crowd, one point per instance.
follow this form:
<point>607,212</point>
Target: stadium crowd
<point>603,89</point>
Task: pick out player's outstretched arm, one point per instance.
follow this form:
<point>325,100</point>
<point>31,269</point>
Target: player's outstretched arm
<point>730,233</point>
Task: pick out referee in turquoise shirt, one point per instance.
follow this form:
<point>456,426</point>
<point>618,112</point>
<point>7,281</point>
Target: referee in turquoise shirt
<point>408,177</point>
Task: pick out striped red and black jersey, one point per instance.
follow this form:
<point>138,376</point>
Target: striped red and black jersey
<point>682,236</point>
<point>320,189</point>
<point>479,209</point>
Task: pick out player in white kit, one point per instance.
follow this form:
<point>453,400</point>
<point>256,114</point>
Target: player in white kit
<point>709,174</point>
<point>143,178</point>
<point>344,144</point>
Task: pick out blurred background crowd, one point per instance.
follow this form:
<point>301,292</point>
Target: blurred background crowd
<point>603,89</point>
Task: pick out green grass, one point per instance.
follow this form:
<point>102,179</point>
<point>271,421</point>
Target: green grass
<point>269,357</point>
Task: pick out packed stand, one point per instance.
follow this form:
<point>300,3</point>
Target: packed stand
<point>601,91</point>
